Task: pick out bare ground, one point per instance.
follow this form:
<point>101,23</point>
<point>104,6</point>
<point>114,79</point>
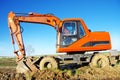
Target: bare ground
<point>83,73</point>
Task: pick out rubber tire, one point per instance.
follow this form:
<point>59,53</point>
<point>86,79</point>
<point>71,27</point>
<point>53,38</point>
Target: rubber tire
<point>97,58</point>
<point>49,60</point>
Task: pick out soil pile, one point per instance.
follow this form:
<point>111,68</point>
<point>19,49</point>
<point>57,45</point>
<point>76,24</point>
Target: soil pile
<point>83,73</point>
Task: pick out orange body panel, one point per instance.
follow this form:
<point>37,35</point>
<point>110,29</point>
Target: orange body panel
<point>79,45</point>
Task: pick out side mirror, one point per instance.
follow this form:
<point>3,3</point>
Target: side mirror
<point>89,30</point>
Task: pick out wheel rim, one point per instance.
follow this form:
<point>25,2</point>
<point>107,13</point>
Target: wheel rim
<point>99,63</point>
<point>48,65</point>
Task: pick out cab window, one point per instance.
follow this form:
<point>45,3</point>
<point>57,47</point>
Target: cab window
<point>81,30</point>
<point>69,32</point>
<point>69,28</point>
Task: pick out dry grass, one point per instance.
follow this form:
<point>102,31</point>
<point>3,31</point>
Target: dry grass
<point>7,62</point>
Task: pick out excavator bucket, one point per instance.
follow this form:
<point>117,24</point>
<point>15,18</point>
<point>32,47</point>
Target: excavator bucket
<point>26,65</point>
<point>22,67</point>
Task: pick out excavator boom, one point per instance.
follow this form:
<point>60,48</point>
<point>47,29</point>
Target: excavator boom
<point>15,29</point>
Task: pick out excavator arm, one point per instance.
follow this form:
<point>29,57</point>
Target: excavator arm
<point>15,29</point>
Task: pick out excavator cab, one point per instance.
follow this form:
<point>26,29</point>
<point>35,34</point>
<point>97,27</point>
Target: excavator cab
<point>76,38</point>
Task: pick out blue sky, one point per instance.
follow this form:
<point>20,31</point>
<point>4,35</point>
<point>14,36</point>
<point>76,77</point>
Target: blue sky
<point>99,15</point>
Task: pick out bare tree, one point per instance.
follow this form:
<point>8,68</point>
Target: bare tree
<point>30,50</point>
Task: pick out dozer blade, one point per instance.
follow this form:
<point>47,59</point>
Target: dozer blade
<point>26,65</point>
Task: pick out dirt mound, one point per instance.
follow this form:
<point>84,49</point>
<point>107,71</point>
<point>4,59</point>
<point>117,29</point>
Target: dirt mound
<point>8,73</point>
<point>111,73</point>
<point>51,75</point>
<point>83,73</point>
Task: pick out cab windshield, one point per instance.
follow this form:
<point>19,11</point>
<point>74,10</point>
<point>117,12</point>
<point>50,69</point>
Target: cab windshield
<point>69,28</point>
<point>69,31</point>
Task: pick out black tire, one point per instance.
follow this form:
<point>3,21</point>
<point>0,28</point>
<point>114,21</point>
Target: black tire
<point>99,61</point>
<point>48,63</point>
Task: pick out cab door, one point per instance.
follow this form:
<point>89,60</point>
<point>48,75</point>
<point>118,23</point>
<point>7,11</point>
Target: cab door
<point>69,33</point>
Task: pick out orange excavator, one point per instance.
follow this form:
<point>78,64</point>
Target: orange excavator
<point>73,38</point>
